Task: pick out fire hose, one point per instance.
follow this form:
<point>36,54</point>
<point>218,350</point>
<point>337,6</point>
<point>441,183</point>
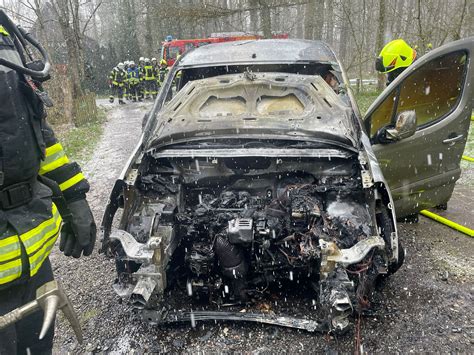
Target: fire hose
<point>447,222</point>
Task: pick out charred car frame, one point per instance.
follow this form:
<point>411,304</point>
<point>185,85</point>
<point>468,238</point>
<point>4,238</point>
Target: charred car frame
<point>256,170</point>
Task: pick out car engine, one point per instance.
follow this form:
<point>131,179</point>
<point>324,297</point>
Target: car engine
<point>225,229</point>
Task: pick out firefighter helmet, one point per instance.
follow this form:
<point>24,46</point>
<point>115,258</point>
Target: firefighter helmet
<point>163,62</point>
<point>141,59</point>
<point>120,65</point>
<point>396,54</point>
<point>153,59</point>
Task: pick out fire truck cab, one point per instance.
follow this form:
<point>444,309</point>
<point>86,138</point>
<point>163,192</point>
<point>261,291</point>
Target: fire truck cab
<point>171,48</point>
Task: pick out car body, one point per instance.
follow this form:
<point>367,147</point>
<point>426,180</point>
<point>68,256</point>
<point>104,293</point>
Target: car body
<point>255,170</point>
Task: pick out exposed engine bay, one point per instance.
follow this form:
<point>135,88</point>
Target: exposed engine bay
<point>225,228</point>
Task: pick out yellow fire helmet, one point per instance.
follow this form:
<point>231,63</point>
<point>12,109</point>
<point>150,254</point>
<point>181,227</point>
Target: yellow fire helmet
<point>396,54</point>
<point>163,62</point>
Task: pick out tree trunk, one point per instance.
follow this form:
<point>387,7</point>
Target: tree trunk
<point>380,40</point>
<point>399,12</point>
<point>266,19</point>
<point>148,24</point>
<point>344,38</point>
<point>457,30</point>
<point>299,22</point>
<point>329,19</point>
<point>253,4</point>
<point>318,19</point>
<point>421,36</point>
<point>309,19</point>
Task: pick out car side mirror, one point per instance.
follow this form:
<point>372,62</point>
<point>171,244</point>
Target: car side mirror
<point>405,126</point>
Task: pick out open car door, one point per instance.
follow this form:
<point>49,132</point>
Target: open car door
<point>419,125</point>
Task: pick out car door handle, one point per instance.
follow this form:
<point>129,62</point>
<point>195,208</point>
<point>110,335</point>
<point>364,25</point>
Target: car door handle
<point>453,140</point>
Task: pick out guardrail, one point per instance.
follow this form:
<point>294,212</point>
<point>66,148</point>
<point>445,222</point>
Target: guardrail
<point>364,81</point>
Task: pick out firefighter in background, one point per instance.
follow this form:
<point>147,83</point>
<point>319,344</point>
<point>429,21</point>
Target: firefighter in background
<point>117,80</point>
<point>112,85</point>
<point>133,78</point>
<point>149,79</point>
<point>154,63</point>
<point>125,86</point>
<point>141,87</point>
<point>162,72</point>
<point>42,193</point>
<point>394,58</point>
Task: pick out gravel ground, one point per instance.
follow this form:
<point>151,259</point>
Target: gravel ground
<point>425,307</point>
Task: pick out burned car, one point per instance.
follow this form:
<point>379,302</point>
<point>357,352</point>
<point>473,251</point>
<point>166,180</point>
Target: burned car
<point>255,170</point>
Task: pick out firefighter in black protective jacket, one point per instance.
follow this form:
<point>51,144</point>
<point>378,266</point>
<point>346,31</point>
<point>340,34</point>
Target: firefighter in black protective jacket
<point>42,193</point>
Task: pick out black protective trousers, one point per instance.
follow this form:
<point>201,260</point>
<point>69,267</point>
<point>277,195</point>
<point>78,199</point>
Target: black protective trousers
<point>134,92</point>
<point>24,334</point>
<point>116,90</point>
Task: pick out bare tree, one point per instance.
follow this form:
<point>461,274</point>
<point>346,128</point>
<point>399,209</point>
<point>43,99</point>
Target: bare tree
<point>356,29</point>
<point>68,14</point>
<point>380,38</point>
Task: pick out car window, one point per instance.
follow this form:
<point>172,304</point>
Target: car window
<point>173,52</point>
<point>188,46</point>
<point>382,116</point>
<point>433,90</point>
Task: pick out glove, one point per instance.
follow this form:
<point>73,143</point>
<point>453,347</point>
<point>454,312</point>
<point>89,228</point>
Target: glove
<point>79,230</point>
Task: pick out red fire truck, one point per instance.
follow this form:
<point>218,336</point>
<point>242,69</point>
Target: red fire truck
<point>171,48</point>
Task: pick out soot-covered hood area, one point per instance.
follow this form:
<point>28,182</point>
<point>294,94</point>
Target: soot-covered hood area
<point>255,105</point>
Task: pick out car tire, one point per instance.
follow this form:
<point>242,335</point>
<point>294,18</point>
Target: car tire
<point>411,218</point>
<point>442,206</point>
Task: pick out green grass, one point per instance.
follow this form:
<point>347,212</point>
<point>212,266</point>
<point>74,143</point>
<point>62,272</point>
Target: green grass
<point>365,99</point>
<point>469,150</point>
<point>79,142</point>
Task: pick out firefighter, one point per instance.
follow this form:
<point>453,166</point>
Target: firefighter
<point>42,193</point>
<point>126,92</point>
<point>162,72</point>
<point>133,77</point>
<point>394,58</point>
<point>149,79</point>
<point>141,88</point>
<point>117,79</point>
<point>154,62</point>
<point>112,86</point>
<point>156,72</point>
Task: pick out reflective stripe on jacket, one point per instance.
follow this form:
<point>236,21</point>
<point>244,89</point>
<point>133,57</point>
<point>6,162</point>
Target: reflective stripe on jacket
<point>163,71</point>
<point>118,77</point>
<point>149,72</point>
<point>57,167</point>
<point>133,76</point>
<point>36,242</point>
